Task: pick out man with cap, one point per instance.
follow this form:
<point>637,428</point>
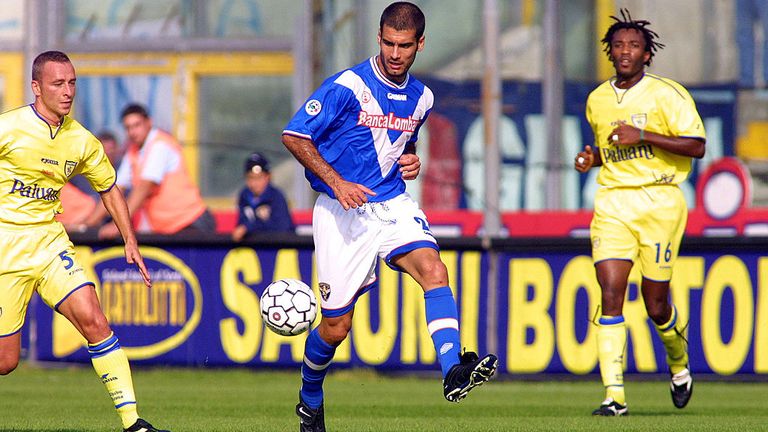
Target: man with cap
<point>262,207</point>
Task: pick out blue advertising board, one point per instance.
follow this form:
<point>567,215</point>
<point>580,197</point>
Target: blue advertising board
<point>203,310</point>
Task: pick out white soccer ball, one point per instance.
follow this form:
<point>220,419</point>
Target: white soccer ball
<point>288,307</point>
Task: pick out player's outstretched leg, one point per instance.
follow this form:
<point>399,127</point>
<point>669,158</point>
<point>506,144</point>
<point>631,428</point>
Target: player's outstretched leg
<point>470,372</point>
<point>311,419</point>
<point>111,364</point>
<point>611,408</point>
<point>461,372</point>
<point>318,355</point>
<point>681,385</point>
<point>611,339</point>
<point>142,425</point>
<point>681,388</point>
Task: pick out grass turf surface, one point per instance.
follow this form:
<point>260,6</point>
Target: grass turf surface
<point>190,400</point>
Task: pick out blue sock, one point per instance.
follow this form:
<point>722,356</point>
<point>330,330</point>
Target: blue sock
<point>317,357</point>
<point>443,326</point>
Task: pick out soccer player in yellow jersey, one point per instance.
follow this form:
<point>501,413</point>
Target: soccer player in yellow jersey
<point>40,150</point>
<point>646,131</point>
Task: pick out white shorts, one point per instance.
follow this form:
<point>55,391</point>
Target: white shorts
<point>348,244</point>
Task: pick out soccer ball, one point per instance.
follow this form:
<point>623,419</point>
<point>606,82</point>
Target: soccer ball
<point>288,307</point>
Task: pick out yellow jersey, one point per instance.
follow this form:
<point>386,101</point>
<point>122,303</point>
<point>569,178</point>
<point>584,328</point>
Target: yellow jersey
<point>654,104</point>
<point>37,159</point>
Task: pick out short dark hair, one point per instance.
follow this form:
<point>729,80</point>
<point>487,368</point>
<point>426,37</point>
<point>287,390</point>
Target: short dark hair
<point>45,57</point>
<point>627,23</point>
<point>403,16</point>
<point>134,108</point>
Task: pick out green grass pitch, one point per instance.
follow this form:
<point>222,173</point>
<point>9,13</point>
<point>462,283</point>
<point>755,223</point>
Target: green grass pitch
<point>190,400</point>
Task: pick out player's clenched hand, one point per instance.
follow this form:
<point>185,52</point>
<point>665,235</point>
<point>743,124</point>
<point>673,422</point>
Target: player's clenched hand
<point>351,195</point>
<point>624,134</point>
<point>409,166</point>
<point>133,256</point>
<point>584,160</point>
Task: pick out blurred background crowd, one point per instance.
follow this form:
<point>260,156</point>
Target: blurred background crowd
<point>224,76</point>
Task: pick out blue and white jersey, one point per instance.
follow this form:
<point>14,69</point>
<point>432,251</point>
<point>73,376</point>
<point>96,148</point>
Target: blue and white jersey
<point>360,122</point>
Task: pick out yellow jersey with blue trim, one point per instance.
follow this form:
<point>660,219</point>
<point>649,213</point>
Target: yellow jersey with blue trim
<point>37,159</point>
<point>653,104</point>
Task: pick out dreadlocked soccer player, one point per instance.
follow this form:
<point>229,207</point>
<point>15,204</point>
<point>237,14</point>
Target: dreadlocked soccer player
<point>647,131</point>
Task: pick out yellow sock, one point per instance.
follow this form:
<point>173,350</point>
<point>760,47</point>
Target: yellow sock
<point>111,364</point>
<point>677,356</point>
<point>611,341</point>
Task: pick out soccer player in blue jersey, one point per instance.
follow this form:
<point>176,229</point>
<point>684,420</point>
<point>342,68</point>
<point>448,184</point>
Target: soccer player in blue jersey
<point>647,131</point>
<point>356,138</point>
<point>41,149</point>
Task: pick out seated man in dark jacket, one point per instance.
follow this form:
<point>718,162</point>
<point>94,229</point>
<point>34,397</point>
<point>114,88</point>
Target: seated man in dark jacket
<point>262,207</point>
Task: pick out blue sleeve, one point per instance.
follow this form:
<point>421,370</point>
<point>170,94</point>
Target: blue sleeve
<point>323,110</point>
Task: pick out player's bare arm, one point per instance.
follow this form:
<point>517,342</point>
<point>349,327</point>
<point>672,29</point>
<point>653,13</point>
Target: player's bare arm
<point>349,195</point>
<point>625,134</point>
<point>116,206</point>
<point>139,194</point>
<point>134,202</point>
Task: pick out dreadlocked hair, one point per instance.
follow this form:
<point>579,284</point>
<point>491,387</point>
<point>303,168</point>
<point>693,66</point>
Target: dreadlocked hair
<point>627,23</point>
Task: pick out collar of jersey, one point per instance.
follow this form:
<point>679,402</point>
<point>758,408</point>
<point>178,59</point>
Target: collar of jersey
<point>620,92</point>
<point>50,129</point>
<point>380,75</point>
<point>615,78</point>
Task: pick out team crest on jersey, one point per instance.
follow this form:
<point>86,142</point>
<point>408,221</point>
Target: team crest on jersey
<point>366,97</point>
<point>640,120</point>
<point>69,167</point>
<point>313,107</point>
<point>325,291</point>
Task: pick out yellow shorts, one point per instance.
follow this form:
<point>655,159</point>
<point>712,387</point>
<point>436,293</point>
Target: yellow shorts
<point>646,223</point>
<point>38,259</point>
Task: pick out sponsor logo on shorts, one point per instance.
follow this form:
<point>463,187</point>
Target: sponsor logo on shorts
<point>1,311</point>
<point>313,107</point>
<point>325,291</point>
<point>595,242</point>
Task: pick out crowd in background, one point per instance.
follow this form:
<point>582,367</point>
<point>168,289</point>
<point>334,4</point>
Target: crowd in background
<point>161,196</point>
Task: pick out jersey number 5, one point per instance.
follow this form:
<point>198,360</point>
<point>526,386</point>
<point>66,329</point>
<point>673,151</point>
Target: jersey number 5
<point>67,260</point>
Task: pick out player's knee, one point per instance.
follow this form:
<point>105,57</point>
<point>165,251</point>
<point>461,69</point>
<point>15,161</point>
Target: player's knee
<point>7,365</point>
<point>334,332</point>
<point>658,312</point>
<point>435,273</point>
<point>95,327</point>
